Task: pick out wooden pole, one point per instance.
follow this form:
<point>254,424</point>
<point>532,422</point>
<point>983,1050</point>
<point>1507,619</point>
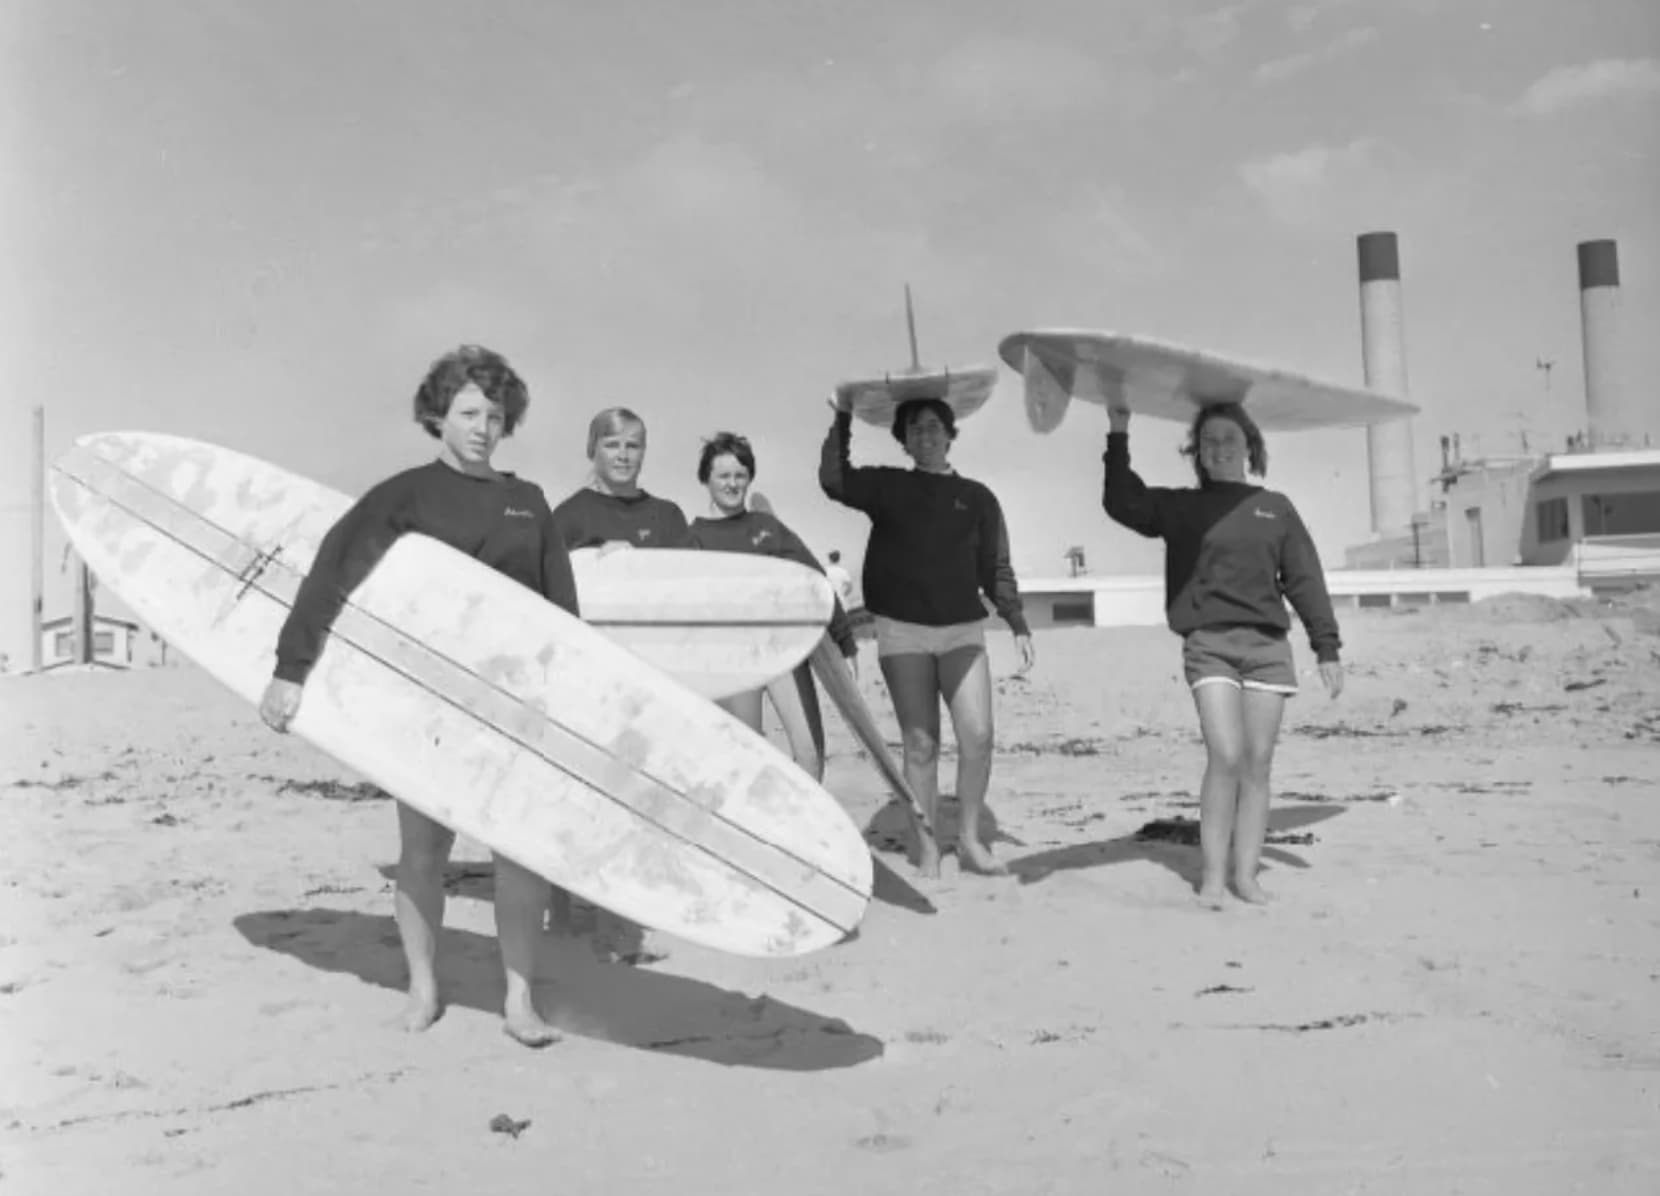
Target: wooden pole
<point>83,612</point>
<point>37,533</point>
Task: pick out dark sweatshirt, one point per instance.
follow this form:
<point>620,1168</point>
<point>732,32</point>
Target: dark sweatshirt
<point>503,522</point>
<point>937,540</point>
<point>762,534</point>
<point>588,518</point>
<point>1233,552</point>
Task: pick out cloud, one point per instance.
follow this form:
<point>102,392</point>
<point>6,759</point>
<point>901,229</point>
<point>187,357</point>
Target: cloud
<point>1301,16</point>
<point>1297,187</point>
<point>1020,79</point>
<point>1566,87</point>
<point>1208,34</point>
<point>1278,70</point>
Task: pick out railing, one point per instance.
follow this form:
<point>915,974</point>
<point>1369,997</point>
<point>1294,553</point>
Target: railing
<point>1632,558</point>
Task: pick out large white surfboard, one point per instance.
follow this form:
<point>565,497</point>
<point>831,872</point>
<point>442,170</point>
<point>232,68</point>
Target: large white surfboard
<point>717,622</point>
<point>1168,381</point>
<point>476,701</point>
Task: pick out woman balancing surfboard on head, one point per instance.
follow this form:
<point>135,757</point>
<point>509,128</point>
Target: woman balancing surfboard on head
<point>469,400</point>
<point>612,509</point>
<point>937,542</point>
<point>726,466</point>
<point>1234,552</point>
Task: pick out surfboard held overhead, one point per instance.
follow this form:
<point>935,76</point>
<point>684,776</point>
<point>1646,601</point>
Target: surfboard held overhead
<point>874,400</point>
<point>1168,381</point>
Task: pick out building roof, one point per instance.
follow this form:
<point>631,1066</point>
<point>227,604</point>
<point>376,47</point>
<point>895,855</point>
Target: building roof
<point>1603,461</point>
<point>102,620</point>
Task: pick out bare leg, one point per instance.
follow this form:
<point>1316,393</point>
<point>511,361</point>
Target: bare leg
<point>795,698</point>
<point>965,677</point>
<point>521,899</point>
<point>913,683</point>
<point>1221,723</point>
<point>418,907</point>
<point>1262,711</point>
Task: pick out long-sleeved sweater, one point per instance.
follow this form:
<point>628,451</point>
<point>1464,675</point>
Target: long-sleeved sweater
<point>588,518</point>
<point>937,540</point>
<point>504,522</point>
<point>1234,553</point>
<point>764,534</point>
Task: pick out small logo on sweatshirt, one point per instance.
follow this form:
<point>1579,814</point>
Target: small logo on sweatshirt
<point>1261,514</point>
<point>645,534</point>
<point>515,513</point>
<point>959,504</point>
<point>761,537</point>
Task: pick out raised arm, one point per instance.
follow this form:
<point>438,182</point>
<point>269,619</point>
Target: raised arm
<point>1126,498</point>
<point>1303,581</point>
<point>837,477</point>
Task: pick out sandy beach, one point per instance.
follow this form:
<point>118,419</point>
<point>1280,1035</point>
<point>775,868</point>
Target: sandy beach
<point>1457,989</point>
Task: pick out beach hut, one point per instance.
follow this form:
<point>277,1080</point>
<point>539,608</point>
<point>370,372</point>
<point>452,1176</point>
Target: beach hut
<point>112,642</point>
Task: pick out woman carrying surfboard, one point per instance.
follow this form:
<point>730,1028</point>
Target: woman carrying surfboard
<point>937,542</point>
<point>1234,553</point>
<point>469,400</point>
<point>612,509</point>
<point>726,466</point>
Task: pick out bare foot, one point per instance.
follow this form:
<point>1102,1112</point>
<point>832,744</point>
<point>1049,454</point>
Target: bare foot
<point>524,1025</point>
<point>527,1029</point>
<point>421,1009</point>
<point>973,857</point>
<point>1213,894</point>
<point>1250,891</point>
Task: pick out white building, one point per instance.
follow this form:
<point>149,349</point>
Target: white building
<point>112,642</point>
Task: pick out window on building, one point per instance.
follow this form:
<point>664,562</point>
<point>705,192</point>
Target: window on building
<point>1633,514</point>
<point>103,643</point>
<point>63,643</point>
<point>1552,515</point>
<point>1074,611</point>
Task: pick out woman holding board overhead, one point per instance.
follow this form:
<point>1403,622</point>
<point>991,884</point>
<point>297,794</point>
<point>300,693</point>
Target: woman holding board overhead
<point>937,543</point>
<point>726,467</point>
<point>1234,552</point>
<point>469,400</point>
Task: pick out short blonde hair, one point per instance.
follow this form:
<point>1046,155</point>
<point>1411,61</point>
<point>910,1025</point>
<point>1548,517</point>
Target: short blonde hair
<point>608,423</point>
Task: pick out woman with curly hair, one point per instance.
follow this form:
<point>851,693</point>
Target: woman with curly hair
<point>469,400</point>
<point>1234,553</point>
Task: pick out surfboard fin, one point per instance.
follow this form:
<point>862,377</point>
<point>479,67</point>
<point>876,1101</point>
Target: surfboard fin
<point>1048,392</point>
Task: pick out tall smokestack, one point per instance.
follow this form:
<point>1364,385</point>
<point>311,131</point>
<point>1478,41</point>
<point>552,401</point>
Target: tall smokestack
<point>1383,347</point>
<point>1611,419</point>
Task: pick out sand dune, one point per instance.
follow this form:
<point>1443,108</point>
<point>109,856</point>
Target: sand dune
<point>1457,990</point>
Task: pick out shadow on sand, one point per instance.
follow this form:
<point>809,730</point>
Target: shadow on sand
<point>608,1002</point>
<point>1179,853</point>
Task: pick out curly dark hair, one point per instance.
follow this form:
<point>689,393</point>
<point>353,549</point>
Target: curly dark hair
<point>470,365</point>
<point>1256,450</point>
<point>909,411</point>
<point>720,444</point>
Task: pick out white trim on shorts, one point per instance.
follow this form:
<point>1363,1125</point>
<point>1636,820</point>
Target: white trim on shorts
<point>1287,690</point>
<point>895,637</point>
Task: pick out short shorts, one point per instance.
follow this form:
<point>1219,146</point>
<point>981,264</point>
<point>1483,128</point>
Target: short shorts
<point>897,638</point>
<point>1244,657</point>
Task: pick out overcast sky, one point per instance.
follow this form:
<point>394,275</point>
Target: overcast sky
<point>256,224</point>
